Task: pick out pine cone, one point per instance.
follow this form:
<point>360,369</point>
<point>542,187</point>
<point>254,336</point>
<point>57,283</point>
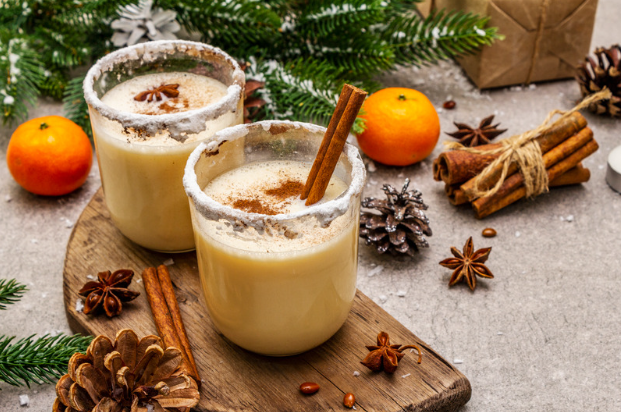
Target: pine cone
<point>593,76</point>
<point>402,225</point>
<point>129,374</point>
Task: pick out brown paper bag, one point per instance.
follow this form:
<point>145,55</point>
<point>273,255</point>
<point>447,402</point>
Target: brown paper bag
<point>544,39</point>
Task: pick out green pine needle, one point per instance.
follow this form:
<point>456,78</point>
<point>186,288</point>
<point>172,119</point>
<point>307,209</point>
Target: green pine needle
<point>43,360</point>
<point>317,44</point>
<point>10,292</point>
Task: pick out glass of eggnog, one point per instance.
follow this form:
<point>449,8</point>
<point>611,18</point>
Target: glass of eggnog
<point>278,277</point>
<point>150,105</point>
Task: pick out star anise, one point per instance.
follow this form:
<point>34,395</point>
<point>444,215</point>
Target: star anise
<point>168,90</point>
<point>386,356</point>
<point>109,292</point>
<point>468,264</point>
<point>469,136</point>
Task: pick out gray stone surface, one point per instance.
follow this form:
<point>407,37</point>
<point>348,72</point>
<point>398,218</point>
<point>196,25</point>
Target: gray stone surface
<point>543,335</point>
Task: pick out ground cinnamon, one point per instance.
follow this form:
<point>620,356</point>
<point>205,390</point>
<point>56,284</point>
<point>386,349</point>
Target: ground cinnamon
<point>286,190</point>
<point>254,206</point>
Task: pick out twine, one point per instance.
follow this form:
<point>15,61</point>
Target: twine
<point>542,22</point>
<point>523,150</point>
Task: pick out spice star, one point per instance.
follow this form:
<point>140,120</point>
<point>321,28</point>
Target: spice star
<point>470,136</point>
<point>386,356</point>
<point>168,90</point>
<point>468,264</point>
<point>109,292</point>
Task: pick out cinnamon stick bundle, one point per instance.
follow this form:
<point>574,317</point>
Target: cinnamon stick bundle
<point>557,161</point>
<point>577,175</point>
<point>167,315</point>
<point>457,166</point>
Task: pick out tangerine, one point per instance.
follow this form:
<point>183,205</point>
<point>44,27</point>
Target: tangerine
<point>402,126</point>
<point>49,156</point>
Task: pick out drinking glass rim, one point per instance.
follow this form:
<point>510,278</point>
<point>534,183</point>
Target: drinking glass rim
<point>180,123</point>
<point>324,212</point>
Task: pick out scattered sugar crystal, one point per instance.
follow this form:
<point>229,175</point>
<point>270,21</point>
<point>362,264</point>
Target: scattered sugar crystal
<point>383,298</point>
<point>518,234</point>
<point>371,167</point>
<point>400,175</point>
<point>439,109</point>
<point>79,305</point>
<point>570,218</point>
<point>449,97</point>
<point>169,262</point>
<point>138,280</point>
<point>601,167</point>
<point>373,182</point>
<point>406,375</point>
<point>499,333</point>
<point>356,373</point>
<point>532,86</point>
<point>68,224</point>
<point>375,271</point>
<point>35,241</point>
<point>401,293</point>
<point>44,295</point>
<point>24,400</point>
<point>457,361</point>
<point>91,277</point>
<point>8,198</point>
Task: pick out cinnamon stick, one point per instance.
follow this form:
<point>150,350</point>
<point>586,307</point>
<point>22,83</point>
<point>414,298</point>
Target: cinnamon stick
<point>547,141</point>
<point>163,318</point>
<point>486,206</point>
<point>574,176</point>
<point>173,307</point>
<point>327,138</point>
<point>335,148</point>
<point>456,166</point>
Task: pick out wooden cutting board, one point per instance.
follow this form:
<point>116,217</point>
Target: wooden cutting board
<point>237,380</point>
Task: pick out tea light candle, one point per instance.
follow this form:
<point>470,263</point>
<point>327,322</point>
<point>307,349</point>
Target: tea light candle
<point>613,175</point>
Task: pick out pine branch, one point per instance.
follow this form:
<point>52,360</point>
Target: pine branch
<point>41,361</point>
<point>10,292</point>
<point>438,37</point>
<point>323,18</point>
<point>75,106</point>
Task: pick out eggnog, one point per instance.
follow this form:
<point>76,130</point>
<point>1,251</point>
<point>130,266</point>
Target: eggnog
<point>142,146</point>
<point>280,294</point>
<point>278,277</point>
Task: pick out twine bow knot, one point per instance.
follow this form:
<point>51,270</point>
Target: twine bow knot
<point>525,152</point>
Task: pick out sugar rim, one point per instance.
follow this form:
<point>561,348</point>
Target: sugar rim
<point>324,212</point>
<point>178,124</point>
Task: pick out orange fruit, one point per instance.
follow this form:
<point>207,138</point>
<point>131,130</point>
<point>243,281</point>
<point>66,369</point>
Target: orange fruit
<point>402,126</point>
<point>49,156</point>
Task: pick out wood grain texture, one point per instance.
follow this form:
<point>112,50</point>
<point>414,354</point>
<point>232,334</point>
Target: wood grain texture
<point>237,380</point>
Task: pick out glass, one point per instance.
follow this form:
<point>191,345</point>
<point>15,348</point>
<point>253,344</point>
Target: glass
<point>141,156</point>
<point>297,295</point>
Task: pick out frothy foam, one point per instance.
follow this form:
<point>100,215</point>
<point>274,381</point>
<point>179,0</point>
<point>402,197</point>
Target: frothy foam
<point>195,92</point>
<point>272,186</point>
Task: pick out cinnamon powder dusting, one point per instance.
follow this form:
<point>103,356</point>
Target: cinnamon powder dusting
<point>290,188</point>
<point>254,206</point>
<point>286,190</point>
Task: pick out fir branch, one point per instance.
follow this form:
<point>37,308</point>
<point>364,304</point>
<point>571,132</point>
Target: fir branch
<point>75,106</point>
<point>21,75</point>
<point>43,360</point>
<point>10,292</point>
<point>322,18</point>
<point>438,37</point>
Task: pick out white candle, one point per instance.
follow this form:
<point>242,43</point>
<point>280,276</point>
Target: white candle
<point>613,175</point>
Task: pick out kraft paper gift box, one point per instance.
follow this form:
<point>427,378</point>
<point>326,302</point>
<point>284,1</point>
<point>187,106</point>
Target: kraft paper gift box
<point>544,39</point>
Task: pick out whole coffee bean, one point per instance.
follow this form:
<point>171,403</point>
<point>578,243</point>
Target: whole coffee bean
<point>489,232</point>
<point>349,400</point>
<point>450,104</point>
<point>308,388</point>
